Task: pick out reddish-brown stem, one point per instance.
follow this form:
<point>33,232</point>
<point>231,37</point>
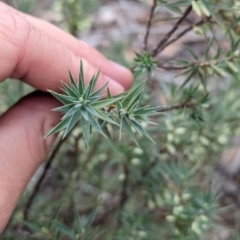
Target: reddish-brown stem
<point>170,33</point>
<point>149,23</point>
<point>201,22</point>
<point>179,106</point>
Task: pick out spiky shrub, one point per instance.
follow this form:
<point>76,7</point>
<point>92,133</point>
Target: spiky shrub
<point>132,188</point>
<point>87,105</point>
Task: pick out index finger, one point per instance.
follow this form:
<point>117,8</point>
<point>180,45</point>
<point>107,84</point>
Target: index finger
<point>80,48</point>
<point>30,54</point>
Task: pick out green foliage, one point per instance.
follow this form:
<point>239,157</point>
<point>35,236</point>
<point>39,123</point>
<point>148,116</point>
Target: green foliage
<point>15,89</point>
<point>162,190</point>
<point>218,64</point>
<point>145,63</point>
<point>25,6</point>
<point>82,103</point>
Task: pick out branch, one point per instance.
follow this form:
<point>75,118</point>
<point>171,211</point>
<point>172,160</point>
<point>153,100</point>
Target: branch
<point>169,34</point>
<point>149,23</point>
<point>169,67</point>
<point>171,183</point>
<point>124,193</point>
<point>199,64</point>
<point>172,67</point>
<point>201,22</point>
<point>42,177</point>
<point>103,218</point>
<point>39,183</point>
<point>185,104</point>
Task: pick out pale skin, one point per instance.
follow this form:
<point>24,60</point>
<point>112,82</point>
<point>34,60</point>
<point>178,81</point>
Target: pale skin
<point>40,55</point>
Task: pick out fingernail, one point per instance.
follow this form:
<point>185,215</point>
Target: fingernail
<point>114,87</point>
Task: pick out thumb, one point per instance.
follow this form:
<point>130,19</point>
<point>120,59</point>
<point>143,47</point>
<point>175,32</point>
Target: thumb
<point>22,148</point>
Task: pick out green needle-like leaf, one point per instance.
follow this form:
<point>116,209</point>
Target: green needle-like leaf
<point>84,113</point>
<point>86,130</point>
<point>95,124</point>
<point>132,106</point>
<point>91,218</point>
<point>105,102</point>
<point>97,93</point>
<point>128,129</point>
<point>131,95</point>
<point>73,83</point>
<point>109,96</point>
<point>63,124</point>
<point>72,122</point>
<point>70,112</point>
<point>64,108</point>
<point>140,129</point>
<point>64,229</point>
<point>148,111</point>
<point>86,92</point>
<point>93,82</point>
<point>99,114</point>
<point>65,99</point>
<point>132,103</point>
<point>106,118</point>
<point>119,106</point>
<point>121,128</point>
<point>69,90</point>
<point>85,105</point>
<point>95,98</point>
<point>81,85</point>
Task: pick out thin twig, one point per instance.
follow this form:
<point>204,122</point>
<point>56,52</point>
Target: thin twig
<point>124,193</point>
<point>76,146</point>
<point>172,67</point>
<point>102,218</point>
<point>174,28</point>
<point>201,22</point>
<point>181,34</point>
<point>171,183</point>
<point>42,177</point>
<point>201,64</point>
<point>149,23</point>
<point>185,104</point>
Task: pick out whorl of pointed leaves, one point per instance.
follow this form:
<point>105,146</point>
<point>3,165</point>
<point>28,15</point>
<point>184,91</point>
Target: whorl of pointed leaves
<point>88,106</point>
<point>145,63</point>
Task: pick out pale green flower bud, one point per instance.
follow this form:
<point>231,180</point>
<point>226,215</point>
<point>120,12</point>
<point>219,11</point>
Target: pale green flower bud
<point>121,177</point>
<point>171,218</point>
<point>186,196</point>
<point>138,151</point>
<point>178,210</point>
<point>135,161</point>
<point>176,199</point>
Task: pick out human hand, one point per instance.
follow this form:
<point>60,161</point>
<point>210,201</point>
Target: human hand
<point>39,54</point>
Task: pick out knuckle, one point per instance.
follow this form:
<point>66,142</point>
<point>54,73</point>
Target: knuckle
<point>14,29</point>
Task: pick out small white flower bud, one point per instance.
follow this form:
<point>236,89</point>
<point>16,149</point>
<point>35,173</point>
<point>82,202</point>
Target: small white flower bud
<point>135,161</point>
<point>138,151</point>
<point>121,176</point>
<point>178,210</point>
<point>176,199</point>
<point>171,218</point>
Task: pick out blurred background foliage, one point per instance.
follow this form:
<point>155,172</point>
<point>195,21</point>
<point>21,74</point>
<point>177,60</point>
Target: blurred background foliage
<point>185,186</point>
